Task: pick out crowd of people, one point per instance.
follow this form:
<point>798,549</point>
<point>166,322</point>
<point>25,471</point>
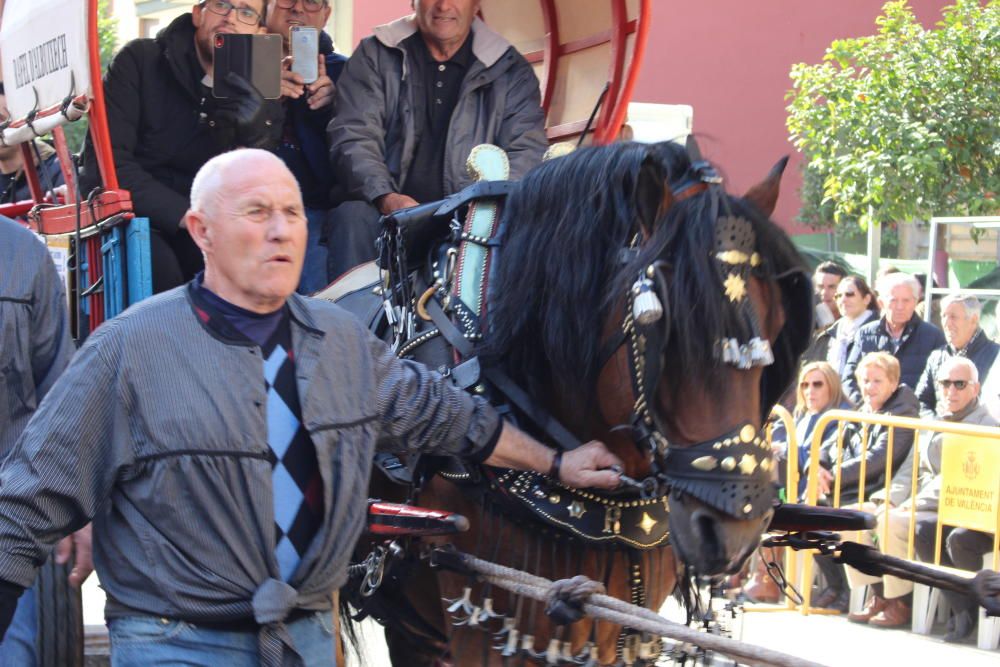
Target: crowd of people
<point>389,128</point>
<point>874,353</point>
<point>212,530</point>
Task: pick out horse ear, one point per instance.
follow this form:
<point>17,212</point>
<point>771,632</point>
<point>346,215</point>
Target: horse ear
<point>764,195</point>
<point>652,195</point>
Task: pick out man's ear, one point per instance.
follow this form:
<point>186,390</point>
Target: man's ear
<point>195,223</point>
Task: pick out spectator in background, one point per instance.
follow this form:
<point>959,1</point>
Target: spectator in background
<point>308,110</point>
<point>414,100</point>
<point>965,338</point>
<point>899,332</point>
<point>959,388</point>
<point>165,124</point>
<point>865,449</point>
<point>857,305</point>
<point>825,280</point>
<point>13,181</point>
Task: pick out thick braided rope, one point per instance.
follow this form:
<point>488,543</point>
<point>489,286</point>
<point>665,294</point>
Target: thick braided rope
<point>613,610</point>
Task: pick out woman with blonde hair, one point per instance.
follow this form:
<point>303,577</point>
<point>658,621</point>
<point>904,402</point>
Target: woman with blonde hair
<point>818,391</point>
<point>866,450</point>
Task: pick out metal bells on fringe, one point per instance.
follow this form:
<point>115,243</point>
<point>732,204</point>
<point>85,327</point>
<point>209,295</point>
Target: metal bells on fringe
<point>646,306</point>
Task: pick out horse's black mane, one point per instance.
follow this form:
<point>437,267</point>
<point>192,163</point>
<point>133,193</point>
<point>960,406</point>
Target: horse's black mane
<point>560,275</point>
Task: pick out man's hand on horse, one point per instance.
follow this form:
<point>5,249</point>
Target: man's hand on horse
<point>587,466</point>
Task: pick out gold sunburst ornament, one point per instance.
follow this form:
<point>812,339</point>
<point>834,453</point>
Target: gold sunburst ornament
<point>736,288</point>
<point>648,523</point>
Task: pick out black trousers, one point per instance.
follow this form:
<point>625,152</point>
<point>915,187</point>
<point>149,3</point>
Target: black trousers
<point>350,234</point>
<point>176,259</point>
<point>961,548</point>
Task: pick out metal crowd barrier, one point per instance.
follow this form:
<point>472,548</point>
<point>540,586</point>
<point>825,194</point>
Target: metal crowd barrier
<point>799,565</point>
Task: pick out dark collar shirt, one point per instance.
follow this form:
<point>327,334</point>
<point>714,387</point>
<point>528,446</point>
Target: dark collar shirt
<point>436,87</point>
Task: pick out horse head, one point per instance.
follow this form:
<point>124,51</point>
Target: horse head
<point>652,310</point>
<point>733,318</point>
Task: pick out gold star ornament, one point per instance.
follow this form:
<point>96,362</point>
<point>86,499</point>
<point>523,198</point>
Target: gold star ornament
<point>576,509</point>
<point>648,523</point>
<point>736,289</point>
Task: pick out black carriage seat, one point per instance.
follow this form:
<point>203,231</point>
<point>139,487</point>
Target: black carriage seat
<point>420,227</point>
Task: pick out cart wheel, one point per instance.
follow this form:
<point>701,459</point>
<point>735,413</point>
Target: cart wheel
<point>60,618</point>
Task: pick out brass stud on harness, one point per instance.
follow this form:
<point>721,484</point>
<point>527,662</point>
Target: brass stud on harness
<point>728,464</point>
<point>705,463</point>
<point>747,433</point>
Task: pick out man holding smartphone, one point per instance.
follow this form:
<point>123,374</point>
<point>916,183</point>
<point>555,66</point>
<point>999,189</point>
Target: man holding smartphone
<point>165,124</point>
<point>397,140</point>
<point>308,104</point>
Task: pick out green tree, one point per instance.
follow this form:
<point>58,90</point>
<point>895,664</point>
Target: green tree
<point>107,27</point>
<point>904,124</point>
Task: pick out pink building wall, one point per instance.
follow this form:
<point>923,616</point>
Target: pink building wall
<point>730,60</point>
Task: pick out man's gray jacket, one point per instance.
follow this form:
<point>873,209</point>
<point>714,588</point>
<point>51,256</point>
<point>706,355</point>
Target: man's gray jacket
<point>35,341</point>
<point>158,432</point>
<point>372,135</point>
<point>929,475</point>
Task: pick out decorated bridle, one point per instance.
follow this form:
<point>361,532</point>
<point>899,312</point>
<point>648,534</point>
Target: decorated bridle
<point>742,458</point>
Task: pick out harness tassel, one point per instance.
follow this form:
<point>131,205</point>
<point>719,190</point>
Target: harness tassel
<point>646,306</point>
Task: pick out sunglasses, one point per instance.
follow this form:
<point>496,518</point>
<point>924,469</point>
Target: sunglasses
<point>959,384</point>
<point>844,295</point>
<point>816,384</point>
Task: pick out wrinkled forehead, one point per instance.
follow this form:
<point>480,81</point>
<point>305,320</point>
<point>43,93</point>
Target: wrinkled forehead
<point>902,292</point>
<point>955,372</point>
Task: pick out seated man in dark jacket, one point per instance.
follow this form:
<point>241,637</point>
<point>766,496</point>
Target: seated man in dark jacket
<point>397,140</point>
<point>165,124</point>
<point>960,320</point>
<point>308,110</point>
<point>13,180</point>
<point>899,331</point>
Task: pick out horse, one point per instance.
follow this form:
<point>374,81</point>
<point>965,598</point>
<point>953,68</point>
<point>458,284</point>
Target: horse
<point>641,305</point>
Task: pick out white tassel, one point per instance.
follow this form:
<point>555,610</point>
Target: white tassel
<point>646,306</point>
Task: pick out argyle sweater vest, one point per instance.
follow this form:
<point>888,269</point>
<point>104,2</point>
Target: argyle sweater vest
<point>296,482</point>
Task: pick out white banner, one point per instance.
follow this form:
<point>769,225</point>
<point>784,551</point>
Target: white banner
<point>44,50</point>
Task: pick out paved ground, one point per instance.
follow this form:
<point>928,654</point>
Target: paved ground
<point>829,640</point>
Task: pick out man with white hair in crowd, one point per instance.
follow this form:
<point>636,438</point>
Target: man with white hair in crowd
<point>965,338</point>
<point>958,389</point>
<point>899,331</point>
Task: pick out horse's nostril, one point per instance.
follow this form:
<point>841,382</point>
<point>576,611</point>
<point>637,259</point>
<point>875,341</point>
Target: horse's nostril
<point>706,528</point>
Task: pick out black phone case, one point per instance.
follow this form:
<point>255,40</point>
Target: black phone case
<point>256,58</point>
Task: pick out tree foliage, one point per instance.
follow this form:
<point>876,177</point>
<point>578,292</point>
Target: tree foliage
<point>904,124</point>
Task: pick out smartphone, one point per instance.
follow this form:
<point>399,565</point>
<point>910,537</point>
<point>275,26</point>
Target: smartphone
<point>304,42</point>
<point>257,58</point>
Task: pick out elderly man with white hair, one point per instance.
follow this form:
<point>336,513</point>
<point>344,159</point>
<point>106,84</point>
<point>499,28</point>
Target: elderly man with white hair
<point>899,331</point>
<point>220,435</point>
<point>958,382</point>
<point>958,387</point>
<point>965,338</point>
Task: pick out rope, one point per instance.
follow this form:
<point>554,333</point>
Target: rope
<point>607,608</point>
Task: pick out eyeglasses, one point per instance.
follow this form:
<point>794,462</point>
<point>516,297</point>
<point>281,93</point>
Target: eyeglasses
<point>308,5</point>
<point>959,384</point>
<point>816,384</point>
<point>844,295</point>
<point>244,14</point>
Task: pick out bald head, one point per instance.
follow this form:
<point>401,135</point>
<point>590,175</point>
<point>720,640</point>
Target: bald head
<point>248,220</point>
<point>217,175</point>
